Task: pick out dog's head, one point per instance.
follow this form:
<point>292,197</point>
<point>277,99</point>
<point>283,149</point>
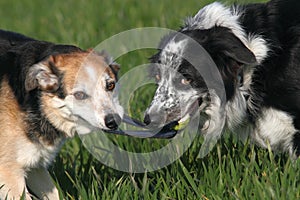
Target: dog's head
<point>77,91</point>
<point>181,88</point>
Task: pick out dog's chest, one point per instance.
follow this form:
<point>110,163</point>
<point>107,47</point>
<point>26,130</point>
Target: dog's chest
<point>31,155</point>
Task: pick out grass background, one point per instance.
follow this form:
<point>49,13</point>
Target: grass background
<point>233,170</point>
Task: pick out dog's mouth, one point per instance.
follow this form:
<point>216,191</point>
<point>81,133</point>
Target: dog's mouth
<point>167,131</point>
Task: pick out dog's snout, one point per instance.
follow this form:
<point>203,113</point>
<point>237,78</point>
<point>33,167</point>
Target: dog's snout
<point>112,121</point>
<point>154,120</point>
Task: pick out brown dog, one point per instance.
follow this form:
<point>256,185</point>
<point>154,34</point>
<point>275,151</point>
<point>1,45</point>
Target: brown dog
<point>48,92</point>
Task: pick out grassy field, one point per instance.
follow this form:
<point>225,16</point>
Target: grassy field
<point>232,170</point>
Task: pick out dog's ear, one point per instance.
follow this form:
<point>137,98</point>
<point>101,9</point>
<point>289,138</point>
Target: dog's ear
<point>238,51</point>
<point>115,67</point>
<point>110,61</point>
<point>42,76</point>
<point>241,54</point>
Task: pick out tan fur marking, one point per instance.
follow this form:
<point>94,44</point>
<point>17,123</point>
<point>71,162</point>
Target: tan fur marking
<point>11,122</point>
<point>11,131</point>
<point>54,115</point>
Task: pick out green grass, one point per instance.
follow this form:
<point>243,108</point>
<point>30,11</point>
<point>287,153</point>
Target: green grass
<point>232,170</point>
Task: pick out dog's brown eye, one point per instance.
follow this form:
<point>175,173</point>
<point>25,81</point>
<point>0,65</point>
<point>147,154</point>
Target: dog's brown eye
<point>110,86</point>
<point>186,81</point>
<point>80,95</point>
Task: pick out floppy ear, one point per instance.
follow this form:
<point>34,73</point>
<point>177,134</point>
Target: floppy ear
<point>238,51</point>
<point>241,54</point>
<point>41,76</point>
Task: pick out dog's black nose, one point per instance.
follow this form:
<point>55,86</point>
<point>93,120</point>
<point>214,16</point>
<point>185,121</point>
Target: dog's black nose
<point>112,121</point>
<point>147,119</point>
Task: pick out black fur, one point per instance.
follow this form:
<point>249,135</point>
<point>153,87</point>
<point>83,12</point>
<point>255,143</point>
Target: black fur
<point>277,79</point>
<point>17,54</point>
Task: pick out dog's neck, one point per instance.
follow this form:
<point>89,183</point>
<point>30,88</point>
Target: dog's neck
<point>41,130</point>
<point>236,111</point>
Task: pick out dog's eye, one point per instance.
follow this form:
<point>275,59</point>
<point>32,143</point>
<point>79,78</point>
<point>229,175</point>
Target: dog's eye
<point>110,86</point>
<point>80,95</point>
<point>186,81</point>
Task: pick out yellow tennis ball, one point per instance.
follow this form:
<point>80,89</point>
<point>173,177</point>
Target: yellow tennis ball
<point>182,123</point>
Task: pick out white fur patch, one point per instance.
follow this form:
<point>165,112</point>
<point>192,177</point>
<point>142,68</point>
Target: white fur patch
<point>36,155</point>
<point>258,46</point>
<point>236,111</point>
<point>214,126</point>
<point>176,47</point>
<point>171,55</point>
<point>216,14</point>
<point>275,128</point>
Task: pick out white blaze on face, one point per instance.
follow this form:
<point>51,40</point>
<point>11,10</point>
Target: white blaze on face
<point>92,79</point>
